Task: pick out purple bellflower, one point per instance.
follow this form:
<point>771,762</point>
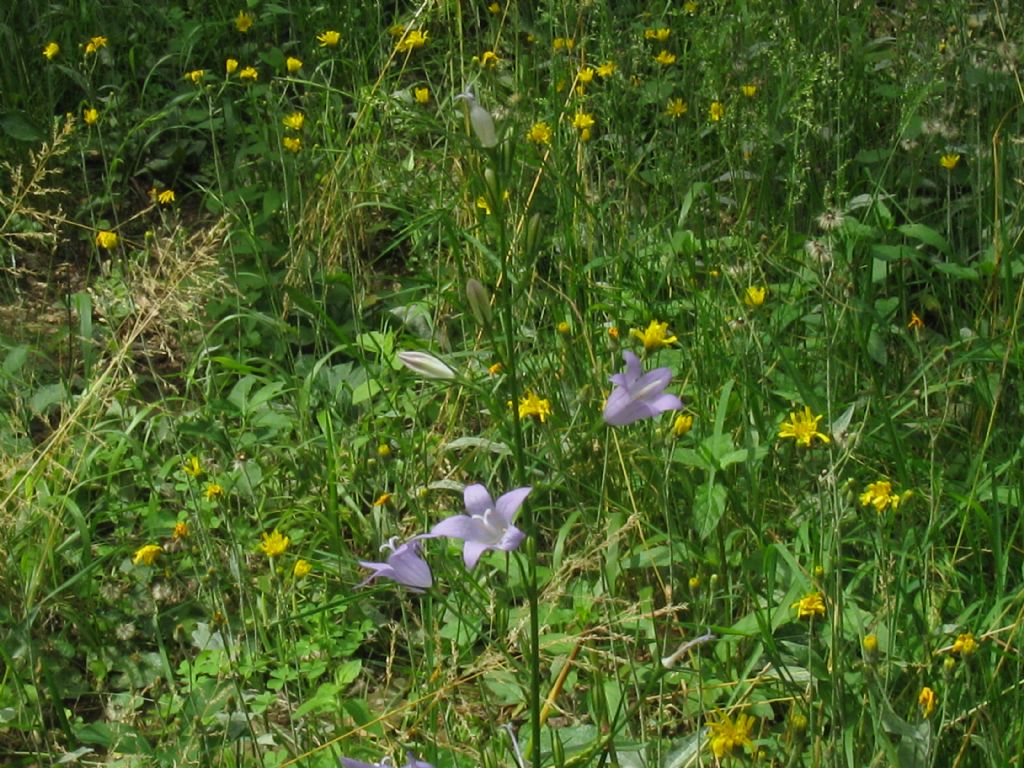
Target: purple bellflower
<point>638,395</point>
<point>404,566</point>
<point>488,524</point>
<point>348,762</point>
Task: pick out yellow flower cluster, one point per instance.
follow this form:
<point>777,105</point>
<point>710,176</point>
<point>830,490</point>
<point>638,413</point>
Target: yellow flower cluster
<point>274,544</point>
<point>531,405</point>
<point>810,605</point>
<point>728,735</point>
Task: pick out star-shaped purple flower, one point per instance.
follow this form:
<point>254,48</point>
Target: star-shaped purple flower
<point>403,566</point>
<point>638,395</point>
<point>488,524</point>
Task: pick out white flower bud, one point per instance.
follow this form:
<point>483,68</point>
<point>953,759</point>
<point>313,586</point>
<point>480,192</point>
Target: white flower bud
<point>481,120</point>
<point>426,365</point>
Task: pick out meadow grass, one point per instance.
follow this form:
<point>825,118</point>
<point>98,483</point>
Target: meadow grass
<point>221,228</point>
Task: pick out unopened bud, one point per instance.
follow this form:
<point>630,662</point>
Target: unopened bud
<point>481,120</point>
<point>532,235</point>
<point>426,365</point>
<point>479,301</point>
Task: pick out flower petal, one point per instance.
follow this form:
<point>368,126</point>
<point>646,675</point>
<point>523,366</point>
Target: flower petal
<point>477,499</point>
<point>471,552</point>
<point>454,527</point>
<point>511,540</point>
<point>508,504</point>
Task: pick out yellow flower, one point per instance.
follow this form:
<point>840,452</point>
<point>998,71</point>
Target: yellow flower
<point>754,296</point>
<point>483,205</point>
<point>383,450</point>
<point>495,369</point>
<point>106,239</point>
<point>50,51</point>
<point>422,95</point>
<point>488,59</point>
<point>949,162</point>
<point>916,323</point>
<point>329,38</point>
<point>292,143</point>
<point>410,42</point>
<point>682,424</point>
<point>243,21</point>
<point>494,8</point>
<point>192,466</point>
<point>690,7</point>
<point>249,73</point>
<point>180,531</point>
<point>676,108</point>
<point>749,90</point>
<point>381,500</point>
<point>716,112</point>
<point>564,328</point>
<point>146,555</point>
<point>196,76</point>
<point>292,64</point>
<point>294,121</point>
<point>879,495</point>
<point>301,569</point>
<point>586,74</point>
<point>583,122</point>
<point>693,583</point>
<point>613,332</point>
<point>606,69</point>
<point>926,700</point>
<point>661,34</point>
<point>965,644</point>
<point>539,133</point>
<point>165,197</point>
<point>870,645</point>
<point>810,605</point>
<point>230,66</point>
<point>273,544</point>
<point>727,735</point>
<point>91,116</point>
<point>803,427</point>
<point>654,337</point>
<point>665,58</point>
<point>531,405</point>
<point>95,43</point>
<point>568,43</point>
<point>396,30</point>
<point>213,491</point>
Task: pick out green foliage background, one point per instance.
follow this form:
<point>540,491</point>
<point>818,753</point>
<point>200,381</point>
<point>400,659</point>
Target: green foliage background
<point>254,323</point>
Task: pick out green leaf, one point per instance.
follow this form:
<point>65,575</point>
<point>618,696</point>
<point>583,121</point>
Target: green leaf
<point>17,126</point>
<point>708,507</point>
<point>928,236</point>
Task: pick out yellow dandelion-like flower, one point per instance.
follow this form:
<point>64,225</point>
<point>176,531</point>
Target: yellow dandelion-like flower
<point>147,555</point>
<point>329,38</point>
<point>192,466</point>
<point>494,8</point>
<point>249,73</point>
<point>301,569</point>
<point>690,7</point>
<point>676,108</point>
<point>583,121</point>
<point>495,369</point>
<point>926,700</point>
<point>230,65</point>
<point>195,76</point>
<point>586,74</point>
<point>381,500</point>
<point>422,95</point>
<point>655,336</point>
<point>539,133</point>
<point>916,323</point>
<point>754,295</point>
<point>417,38</point>
<point>91,116</point>
<point>665,58</point>
<point>165,197</point>
<point>106,239</point>
<point>531,405</point>
<point>383,450</point>
<point>213,491</point>
<point>949,161</point>
<point>95,43</point>
<point>803,427</point>
<point>273,544</point>
<point>879,495</point>
<point>563,43</point>
<point>292,64</point>
<point>294,121</point>
<point>483,205</point>
<point>810,605</point>
<point>869,645</point>
<point>728,735</point>
<point>243,21</point>
<point>396,30</point>
<point>606,69</point>
<point>965,644</point>
<point>749,90</point>
<point>716,111</point>
<point>682,424</point>
<point>488,60</point>
<point>292,143</point>
<point>50,51</point>
<point>180,531</point>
